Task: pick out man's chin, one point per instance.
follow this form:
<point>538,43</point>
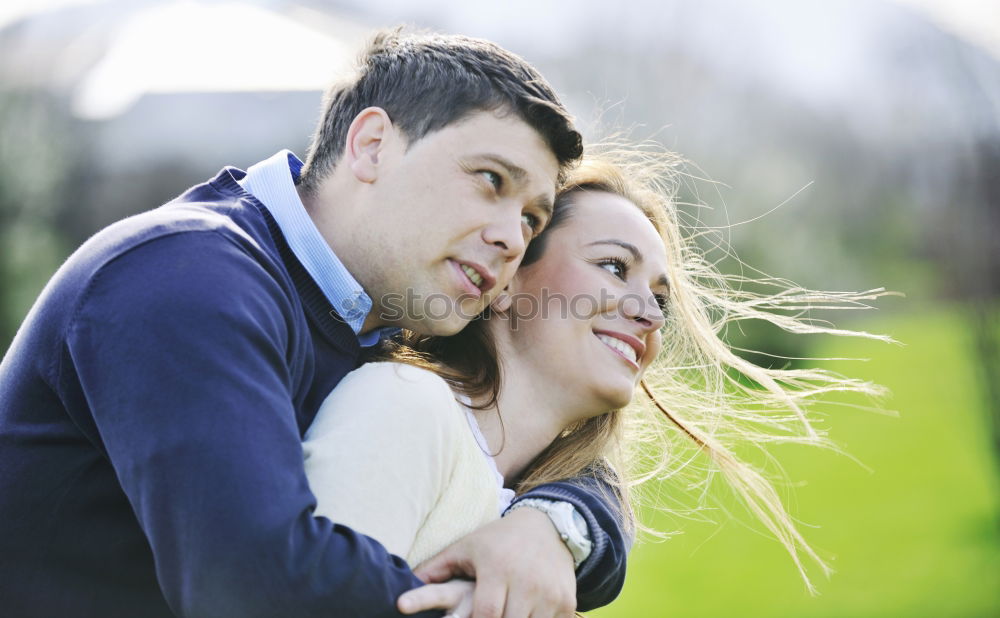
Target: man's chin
<point>441,320</point>
<point>443,327</point>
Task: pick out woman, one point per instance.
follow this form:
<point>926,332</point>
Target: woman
<point>536,389</point>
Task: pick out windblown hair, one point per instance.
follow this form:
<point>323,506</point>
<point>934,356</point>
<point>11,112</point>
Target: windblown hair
<point>699,394</point>
<point>426,82</point>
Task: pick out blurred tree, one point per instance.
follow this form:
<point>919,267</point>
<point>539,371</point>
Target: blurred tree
<point>37,145</point>
<point>972,256</point>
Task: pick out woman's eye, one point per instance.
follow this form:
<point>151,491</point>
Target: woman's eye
<point>662,302</point>
<point>616,267</point>
<point>493,178</point>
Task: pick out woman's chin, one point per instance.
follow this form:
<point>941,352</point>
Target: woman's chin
<point>615,396</point>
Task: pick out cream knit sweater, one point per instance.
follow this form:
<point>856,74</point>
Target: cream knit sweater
<point>391,454</point>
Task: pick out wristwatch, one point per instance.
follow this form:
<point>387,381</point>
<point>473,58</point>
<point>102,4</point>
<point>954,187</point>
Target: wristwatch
<point>570,525</point>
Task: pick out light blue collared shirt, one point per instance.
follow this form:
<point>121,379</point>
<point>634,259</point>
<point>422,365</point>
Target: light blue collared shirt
<point>272,182</point>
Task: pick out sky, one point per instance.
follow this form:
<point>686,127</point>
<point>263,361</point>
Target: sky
<point>134,65</point>
<point>975,20</point>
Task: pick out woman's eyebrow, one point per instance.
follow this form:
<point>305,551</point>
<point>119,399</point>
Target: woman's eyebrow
<point>636,254</point>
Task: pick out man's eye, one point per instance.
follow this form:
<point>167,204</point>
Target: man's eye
<point>663,302</point>
<point>533,222</point>
<point>493,178</point>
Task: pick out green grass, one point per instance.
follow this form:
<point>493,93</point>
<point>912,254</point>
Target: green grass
<point>918,535</point>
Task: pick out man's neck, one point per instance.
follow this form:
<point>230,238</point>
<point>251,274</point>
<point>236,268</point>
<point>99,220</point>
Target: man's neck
<point>372,322</point>
<point>321,217</point>
<point>334,226</point>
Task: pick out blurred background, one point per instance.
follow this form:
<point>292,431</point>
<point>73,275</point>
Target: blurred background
<point>844,145</point>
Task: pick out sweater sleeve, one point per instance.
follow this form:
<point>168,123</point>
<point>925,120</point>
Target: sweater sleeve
<point>181,346</point>
<point>600,578</point>
<point>381,450</point>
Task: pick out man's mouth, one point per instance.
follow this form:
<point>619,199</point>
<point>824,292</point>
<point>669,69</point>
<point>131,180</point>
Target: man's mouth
<point>476,278</point>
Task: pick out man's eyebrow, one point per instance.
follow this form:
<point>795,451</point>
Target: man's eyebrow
<point>515,171</point>
<point>544,203</point>
<point>518,174</point>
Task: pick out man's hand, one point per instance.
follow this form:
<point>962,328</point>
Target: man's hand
<point>521,567</point>
<point>454,596</point>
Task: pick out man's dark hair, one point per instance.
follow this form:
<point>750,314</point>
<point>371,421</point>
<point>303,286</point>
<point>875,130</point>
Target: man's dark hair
<point>426,82</point>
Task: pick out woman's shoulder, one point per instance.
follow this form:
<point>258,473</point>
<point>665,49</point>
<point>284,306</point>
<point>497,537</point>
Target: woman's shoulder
<point>391,377</point>
<point>404,393</point>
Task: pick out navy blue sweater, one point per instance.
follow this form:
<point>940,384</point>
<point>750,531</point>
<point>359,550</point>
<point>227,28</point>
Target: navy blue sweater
<point>151,413</point>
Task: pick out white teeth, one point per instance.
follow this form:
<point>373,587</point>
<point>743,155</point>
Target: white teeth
<point>472,275</point>
<point>619,345</point>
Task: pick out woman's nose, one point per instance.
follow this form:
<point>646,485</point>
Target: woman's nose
<point>644,308</point>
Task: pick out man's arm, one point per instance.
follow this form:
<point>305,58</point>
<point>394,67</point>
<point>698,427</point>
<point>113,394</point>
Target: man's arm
<point>528,570</point>
<point>599,579</point>
<point>182,347</point>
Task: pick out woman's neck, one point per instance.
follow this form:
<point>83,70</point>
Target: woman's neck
<point>534,413</point>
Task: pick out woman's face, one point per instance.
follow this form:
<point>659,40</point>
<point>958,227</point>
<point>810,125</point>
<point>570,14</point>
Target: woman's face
<point>589,312</point>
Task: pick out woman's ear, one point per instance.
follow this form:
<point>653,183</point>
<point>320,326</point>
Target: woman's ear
<point>366,137</point>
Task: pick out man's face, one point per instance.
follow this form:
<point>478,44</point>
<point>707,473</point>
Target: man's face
<point>450,217</point>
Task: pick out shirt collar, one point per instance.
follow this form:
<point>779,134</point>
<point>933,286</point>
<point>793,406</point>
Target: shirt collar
<point>272,182</point>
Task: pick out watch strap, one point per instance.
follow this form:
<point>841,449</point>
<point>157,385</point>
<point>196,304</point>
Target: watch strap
<point>569,524</point>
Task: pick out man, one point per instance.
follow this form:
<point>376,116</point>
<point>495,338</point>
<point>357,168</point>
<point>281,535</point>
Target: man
<point>153,402</point>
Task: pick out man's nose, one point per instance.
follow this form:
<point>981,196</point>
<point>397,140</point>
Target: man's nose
<point>507,234</point>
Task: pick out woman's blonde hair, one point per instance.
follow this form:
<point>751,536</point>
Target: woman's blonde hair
<point>699,392</point>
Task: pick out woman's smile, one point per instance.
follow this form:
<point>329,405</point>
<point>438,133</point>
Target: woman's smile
<point>625,346</point>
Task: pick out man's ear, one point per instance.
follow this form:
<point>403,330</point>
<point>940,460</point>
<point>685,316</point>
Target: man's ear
<point>501,303</point>
<point>366,138</point>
